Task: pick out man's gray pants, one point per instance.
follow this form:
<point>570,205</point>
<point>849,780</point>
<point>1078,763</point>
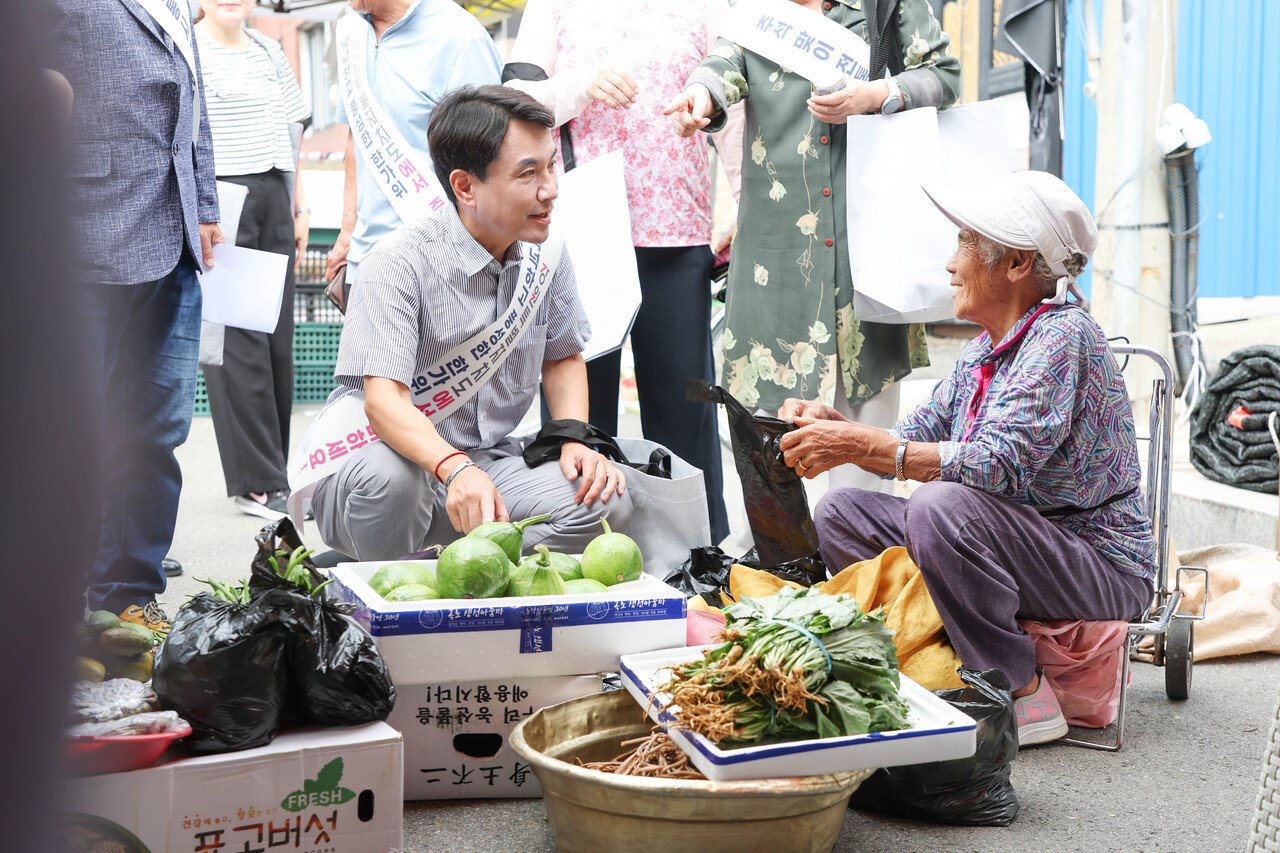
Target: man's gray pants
<point>987,562</point>
<point>382,506</point>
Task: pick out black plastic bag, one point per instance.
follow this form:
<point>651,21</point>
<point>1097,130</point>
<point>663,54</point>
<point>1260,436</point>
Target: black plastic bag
<point>705,573</point>
<point>776,503</point>
<point>336,674</point>
<point>973,791</point>
<point>223,668</point>
<point>805,571</point>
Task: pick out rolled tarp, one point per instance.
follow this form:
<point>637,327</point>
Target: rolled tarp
<point>1230,441</point>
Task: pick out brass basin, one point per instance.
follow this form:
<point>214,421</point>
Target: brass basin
<point>593,812</point>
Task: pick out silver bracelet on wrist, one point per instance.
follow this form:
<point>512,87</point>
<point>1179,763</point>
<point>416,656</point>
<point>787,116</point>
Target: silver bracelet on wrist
<point>899,459</point>
<point>466,463</point>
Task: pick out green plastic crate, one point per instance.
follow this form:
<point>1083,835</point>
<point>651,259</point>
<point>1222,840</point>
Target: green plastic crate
<point>312,382</point>
<point>202,396</point>
<point>316,343</point>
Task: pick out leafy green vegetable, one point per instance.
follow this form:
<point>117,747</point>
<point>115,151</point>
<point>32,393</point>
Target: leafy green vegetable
<point>798,664</point>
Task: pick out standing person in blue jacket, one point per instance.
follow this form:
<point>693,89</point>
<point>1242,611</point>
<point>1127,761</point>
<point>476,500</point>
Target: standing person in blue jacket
<point>416,51</point>
<point>145,218</point>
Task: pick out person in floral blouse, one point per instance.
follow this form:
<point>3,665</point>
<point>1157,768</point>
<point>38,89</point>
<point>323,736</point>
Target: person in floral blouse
<point>606,69</point>
<point>790,324</point>
<point>1030,505</point>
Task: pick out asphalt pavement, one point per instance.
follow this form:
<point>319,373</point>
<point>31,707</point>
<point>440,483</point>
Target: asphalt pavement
<point>1185,779</point>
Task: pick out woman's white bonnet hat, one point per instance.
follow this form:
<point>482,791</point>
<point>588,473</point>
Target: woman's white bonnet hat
<point>1026,210</point>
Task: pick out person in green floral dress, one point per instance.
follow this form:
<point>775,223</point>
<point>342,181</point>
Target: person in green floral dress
<point>790,326</point>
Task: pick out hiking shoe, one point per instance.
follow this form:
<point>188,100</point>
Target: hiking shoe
<point>149,615</point>
<point>268,506</point>
<point>1040,717</point>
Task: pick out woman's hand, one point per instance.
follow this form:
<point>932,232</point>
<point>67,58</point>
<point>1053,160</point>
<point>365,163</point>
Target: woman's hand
<point>813,410</point>
<point>820,445</point>
<point>301,235</point>
<point>599,477</point>
<point>690,111</point>
<point>613,87</point>
<point>725,239</point>
<point>855,99</point>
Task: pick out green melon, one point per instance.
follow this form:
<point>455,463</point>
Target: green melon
<point>581,585</point>
<point>612,558</point>
<point>393,575</point>
<point>412,592</point>
<point>472,568</point>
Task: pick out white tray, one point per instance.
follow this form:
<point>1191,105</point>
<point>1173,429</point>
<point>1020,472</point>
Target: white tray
<point>938,732</point>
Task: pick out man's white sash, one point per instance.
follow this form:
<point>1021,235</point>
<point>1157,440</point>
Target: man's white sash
<point>403,174</point>
<point>342,427</point>
<point>175,19</point>
<point>798,39</point>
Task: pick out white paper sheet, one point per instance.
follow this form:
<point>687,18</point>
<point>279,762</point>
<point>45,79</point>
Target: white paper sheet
<point>245,287</point>
<point>231,204</point>
<point>594,216</point>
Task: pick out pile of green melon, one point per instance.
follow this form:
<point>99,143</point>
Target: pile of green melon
<point>487,563</point>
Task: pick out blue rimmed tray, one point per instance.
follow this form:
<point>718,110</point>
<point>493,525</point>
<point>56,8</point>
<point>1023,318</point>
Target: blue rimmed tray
<point>938,732</point>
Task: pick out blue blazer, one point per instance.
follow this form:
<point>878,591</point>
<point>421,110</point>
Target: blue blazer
<point>140,183</point>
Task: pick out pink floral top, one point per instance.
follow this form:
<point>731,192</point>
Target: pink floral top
<point>659,43</point>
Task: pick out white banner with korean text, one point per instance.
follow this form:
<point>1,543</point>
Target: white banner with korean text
<point>174,18</point>
<point>402,173</point>
<point>798,39</point>
<point>439,391</point>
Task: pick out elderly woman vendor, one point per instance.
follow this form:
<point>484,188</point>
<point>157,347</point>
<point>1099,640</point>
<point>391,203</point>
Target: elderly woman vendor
<point>1030,505</point>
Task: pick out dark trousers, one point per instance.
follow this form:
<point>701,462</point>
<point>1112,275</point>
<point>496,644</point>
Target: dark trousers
<point>987,562</point>
<point>251,393</point>
<point>144,342</point>
<point>671,343</point>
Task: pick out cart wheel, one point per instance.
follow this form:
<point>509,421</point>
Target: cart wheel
<point>1178,658</point>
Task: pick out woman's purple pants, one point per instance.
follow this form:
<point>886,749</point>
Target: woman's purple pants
<point>987,562</point>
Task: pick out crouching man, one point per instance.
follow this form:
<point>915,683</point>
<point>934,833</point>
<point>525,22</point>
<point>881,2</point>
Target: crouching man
<point>458,316</point>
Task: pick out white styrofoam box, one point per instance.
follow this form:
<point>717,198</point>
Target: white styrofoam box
<point>455,734</point>
<point>332,789</point>
<point>430,642</point>
<point>938,732</point>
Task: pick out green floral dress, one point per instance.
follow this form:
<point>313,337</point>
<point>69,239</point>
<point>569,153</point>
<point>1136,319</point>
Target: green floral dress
<point>789,316</point>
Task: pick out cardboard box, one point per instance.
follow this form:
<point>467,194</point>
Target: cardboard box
<point>333,790</point>
<point>455,734</point>
<point>433,642</point>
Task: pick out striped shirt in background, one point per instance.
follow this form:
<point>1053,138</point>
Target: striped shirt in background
<point>250,106</point>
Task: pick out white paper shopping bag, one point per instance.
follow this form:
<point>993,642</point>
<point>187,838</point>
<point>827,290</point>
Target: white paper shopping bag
<point>899,243</point>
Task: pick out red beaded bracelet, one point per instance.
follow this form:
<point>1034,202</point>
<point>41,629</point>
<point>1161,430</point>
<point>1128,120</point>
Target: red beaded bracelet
<point>436,473</point>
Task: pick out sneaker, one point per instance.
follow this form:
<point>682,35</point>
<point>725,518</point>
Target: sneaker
<point>149,615</point>
<point>1040,717</point>
<point>268,506</point>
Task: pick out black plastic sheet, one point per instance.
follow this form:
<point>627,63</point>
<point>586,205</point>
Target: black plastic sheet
<point>973,791</point>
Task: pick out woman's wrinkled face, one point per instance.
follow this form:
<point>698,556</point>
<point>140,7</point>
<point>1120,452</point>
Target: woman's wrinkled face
<point>976,288</point>
<point>227,12</point>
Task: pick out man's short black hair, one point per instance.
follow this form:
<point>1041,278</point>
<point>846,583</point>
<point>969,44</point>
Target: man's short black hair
<point>469,124</point>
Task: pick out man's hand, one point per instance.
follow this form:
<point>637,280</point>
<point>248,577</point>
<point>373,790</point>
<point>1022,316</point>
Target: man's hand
<point>813,410</point>
<point>690,111</point>
<point>598,476</point>
<point>613,87</point>
<point>210,236</point>
<point>473,500</point>
<point>337,255</point>
<point>855,99</point>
